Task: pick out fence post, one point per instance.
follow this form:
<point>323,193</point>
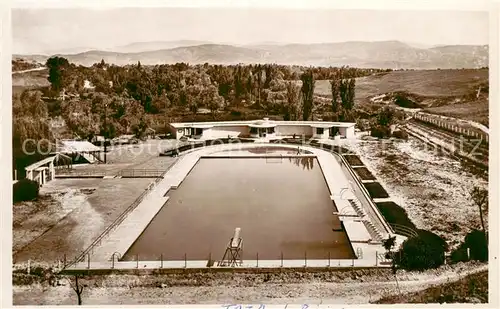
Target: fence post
<point>305,258</point>
<point>65,261</point>
<point>257,259</point>
<point>329,259</point>
<point>29,267</point>
<point>376,258</point>
<point>352,262</point>
<point>88,258</point>
<point>281,258</point>
<point>161,260</point>
<point>137,260</point>
<point>185,260</point>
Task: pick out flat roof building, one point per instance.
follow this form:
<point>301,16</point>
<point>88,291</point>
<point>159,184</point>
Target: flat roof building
<point>263,128</point>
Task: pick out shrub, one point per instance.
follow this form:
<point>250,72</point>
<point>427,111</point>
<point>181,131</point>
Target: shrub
<point>25,190</point>
<point>380,131</point>
<point>395,214</point>
<point>364,173</point>
<point>385,116</point>
<point>422,252</point>
<point>353,160</point>
<point>477,243</point>
<point>400,134</point>
<point>236,113</point>
<point>363,124</point>
<point>376,190</point>
<point>401,99</point>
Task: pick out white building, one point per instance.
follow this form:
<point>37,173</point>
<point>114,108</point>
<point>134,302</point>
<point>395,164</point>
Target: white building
<point>88,85</point>
<point>264,128</point>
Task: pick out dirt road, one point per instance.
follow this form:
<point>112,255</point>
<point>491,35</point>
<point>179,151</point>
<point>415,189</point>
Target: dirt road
<point>347,287</point>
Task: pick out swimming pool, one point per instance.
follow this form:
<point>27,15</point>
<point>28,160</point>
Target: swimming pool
<point>282,206</point>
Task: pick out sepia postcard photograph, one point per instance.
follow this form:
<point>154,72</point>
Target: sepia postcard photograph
<point>241,156</point>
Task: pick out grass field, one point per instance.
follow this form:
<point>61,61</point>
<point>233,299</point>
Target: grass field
<point>429,83</point>
<point>30,79</point>
<point>475,111</point>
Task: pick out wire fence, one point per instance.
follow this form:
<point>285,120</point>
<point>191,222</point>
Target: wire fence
<point>358,260</point>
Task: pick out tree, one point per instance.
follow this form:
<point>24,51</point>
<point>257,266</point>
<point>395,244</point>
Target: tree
<point>307,93</point>
<point>30,121</point>
<point>385,116</point>
<point>346,92</point>
<point>334,84</point>
<point>480,198</point>
<point>77,287</point>
<point>269,71</point>
<point>389,244</point>
<point>239,84</point>
<point>292,101</point>
<point>140,128</point>
<point>474,247</point>
<point>212,100</point>
<point>259,82</point>
<point>58,72</point>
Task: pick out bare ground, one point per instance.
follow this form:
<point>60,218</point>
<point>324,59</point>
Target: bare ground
<point>428,185</point>
<point>32,219</point>
<point>329,287</point>
<point>73,219</point>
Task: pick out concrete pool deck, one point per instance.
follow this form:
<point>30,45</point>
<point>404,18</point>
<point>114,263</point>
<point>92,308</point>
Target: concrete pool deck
<point>341,189</point>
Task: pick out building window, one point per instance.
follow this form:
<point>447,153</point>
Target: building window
<point>270,130</point>
<point>253,130</point>
<point>319,131</point>
<point>198,131</point>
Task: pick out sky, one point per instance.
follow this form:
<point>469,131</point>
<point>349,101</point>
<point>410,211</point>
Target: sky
<point>45,31</point>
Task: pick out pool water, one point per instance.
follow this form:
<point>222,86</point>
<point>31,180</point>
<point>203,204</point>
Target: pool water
<point>263,151</point>
<point>281,206</point>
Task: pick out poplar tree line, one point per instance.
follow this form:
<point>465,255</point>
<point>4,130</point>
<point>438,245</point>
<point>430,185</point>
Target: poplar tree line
<point>343,94</point>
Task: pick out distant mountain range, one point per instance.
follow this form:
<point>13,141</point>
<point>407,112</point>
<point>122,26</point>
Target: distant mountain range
<point>386,54</point>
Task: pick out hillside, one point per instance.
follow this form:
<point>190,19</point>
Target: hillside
<point>138,47</point>
<point>387,54</point>
<point>450,93</point>
<point>424,83</point>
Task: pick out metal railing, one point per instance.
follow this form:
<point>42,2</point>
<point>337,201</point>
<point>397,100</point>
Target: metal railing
<point>85,173</point>
<point>372,209</point>
<point>138,173</point>
<point>404,230</point>
<point>356,259</point>
<point>117,221</point>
